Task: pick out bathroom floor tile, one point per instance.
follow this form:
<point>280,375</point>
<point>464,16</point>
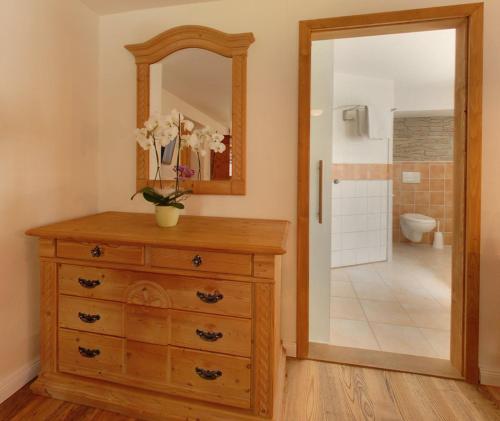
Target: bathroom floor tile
<point>439,341</point>
<point>352,333</point>
<point>343,289</point>
<point>375,290</point>
<point>339,275</point>
<point>415,302</point>
<point>385,312</point>
<point>402,339</point>
<point>406,302</point>
<point>346,308</point>
<point>430,318</point>
<point>363,273</point>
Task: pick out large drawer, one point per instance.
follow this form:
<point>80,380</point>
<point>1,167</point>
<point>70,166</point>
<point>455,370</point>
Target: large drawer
<point>114,253</point>
<point>222,334</point>
<point>204,261</point>
<point>91,315</point>
<point>202,375</point>
<point>164,291</point>
<point>226,378</point>
<point>90,354</point>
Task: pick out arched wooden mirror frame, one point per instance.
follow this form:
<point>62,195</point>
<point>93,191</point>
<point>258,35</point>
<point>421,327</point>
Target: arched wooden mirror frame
<point>234,46</point>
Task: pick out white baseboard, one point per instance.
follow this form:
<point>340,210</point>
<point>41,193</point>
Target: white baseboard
<point>16,380</point>
<point>290,349</point>
<point>489,377</point>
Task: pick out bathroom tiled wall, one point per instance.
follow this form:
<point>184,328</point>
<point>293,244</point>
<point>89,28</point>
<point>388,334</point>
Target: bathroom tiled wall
<point>360,221</point>
<point>433,196</point>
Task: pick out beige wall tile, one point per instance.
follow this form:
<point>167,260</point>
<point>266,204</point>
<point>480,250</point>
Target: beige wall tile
<point>436,171</point>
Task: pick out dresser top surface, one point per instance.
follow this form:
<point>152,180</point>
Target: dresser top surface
<point>216,233</point>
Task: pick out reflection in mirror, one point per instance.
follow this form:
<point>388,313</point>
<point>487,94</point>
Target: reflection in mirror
<point>197,83</point>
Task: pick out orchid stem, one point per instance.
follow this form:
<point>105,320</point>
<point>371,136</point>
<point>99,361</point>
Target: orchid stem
<point>199,165</point>
<point>158,166</point>
<point>178,156</point>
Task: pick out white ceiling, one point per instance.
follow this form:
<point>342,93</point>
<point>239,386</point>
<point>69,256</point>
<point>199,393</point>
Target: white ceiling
<point>107,7</point>
<point>201,78</point>
<point>412,59</point>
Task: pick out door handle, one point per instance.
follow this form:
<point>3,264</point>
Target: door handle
<point>320,188</point>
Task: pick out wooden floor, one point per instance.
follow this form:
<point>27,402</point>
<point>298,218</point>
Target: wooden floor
<point>318,391</point>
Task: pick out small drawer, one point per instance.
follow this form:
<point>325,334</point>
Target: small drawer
<point>203,261</point>
<point>227,335</point>
<point>83,281</point>
<point>89,354</point>
<point>225,378</point>
<point>115,253</point>
<point>210,296</point>
<point>91,315</point>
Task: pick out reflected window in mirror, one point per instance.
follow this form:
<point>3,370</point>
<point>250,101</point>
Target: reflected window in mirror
<point>197,83</point>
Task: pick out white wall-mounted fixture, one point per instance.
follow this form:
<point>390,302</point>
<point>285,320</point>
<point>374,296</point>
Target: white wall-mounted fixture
<point>411,177</point>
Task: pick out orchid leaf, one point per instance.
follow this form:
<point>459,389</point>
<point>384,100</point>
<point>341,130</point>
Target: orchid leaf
<point>151,195</point>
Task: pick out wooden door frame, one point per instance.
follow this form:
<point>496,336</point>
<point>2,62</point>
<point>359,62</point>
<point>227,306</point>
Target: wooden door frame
<point>468,20</point>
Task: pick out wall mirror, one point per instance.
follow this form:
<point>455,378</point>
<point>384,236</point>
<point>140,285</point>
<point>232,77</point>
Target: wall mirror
<point>201,72</point>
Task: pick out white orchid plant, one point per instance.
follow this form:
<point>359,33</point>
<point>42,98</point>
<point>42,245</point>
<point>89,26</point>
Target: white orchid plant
<point>160,131</point>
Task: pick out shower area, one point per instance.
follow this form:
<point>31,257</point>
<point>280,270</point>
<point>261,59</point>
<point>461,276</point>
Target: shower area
<point>361,162</point>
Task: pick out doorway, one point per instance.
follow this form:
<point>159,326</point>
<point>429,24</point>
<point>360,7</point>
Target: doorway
<point>333,182</point>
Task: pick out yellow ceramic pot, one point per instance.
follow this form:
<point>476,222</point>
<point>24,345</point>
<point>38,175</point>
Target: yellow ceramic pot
<point>166,216</point>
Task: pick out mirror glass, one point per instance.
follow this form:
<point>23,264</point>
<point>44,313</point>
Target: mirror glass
<point>197,83</point>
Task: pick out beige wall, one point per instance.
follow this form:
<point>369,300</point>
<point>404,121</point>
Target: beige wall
<point>272,123</point>
<point>48,135</point>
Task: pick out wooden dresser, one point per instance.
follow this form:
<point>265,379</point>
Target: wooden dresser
<point>163,323</point>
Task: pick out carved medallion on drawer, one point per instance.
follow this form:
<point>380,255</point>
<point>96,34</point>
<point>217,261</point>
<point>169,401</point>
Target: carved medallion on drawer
<point>147,293</point>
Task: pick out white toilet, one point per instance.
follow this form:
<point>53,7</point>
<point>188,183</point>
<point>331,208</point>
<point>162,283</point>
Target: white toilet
<point>414,225</point>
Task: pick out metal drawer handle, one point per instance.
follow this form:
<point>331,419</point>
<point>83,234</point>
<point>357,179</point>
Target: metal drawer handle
<point>208,374</point>
<point>96,252</point>
<point>88,353</point>
<point>89,318</point>
<point>89,283</point>
<point>197,261</point>
<point>209,336</point>
<point>210,298</point>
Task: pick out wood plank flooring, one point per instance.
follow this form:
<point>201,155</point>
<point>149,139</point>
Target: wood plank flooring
<point>317,391</point>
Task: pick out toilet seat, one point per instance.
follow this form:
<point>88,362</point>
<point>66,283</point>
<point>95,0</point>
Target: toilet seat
<point>417,217</point>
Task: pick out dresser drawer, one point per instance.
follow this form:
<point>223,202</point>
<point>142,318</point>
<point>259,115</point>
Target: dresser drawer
<point>149,289</point>
<point>91,315</point>
<point>83,281</point>
<point>204,261</point>
<point>225,378</point>
<point>90,354</point>
<point>209,296</point>
<point>207,376</point>
<point>115,253</point>
<point>227,335</point>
